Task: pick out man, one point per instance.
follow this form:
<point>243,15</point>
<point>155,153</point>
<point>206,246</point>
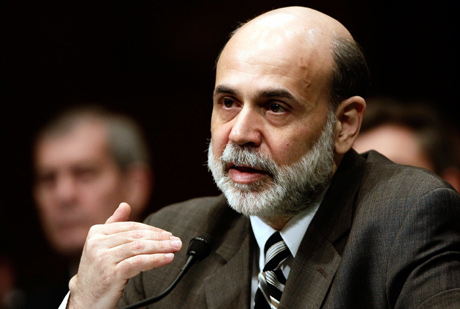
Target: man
<point>358,231</point>
<point>411,133</point>
<point>86,160</point>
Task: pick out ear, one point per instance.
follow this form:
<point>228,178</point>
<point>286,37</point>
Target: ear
<point>349,118</point>
<point>139,187</point>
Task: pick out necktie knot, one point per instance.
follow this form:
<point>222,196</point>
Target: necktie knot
<point>276,252</point>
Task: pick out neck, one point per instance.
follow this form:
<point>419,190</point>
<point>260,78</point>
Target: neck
<point>278,223</point>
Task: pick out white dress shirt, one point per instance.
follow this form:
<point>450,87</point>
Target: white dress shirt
<point>292,234</point>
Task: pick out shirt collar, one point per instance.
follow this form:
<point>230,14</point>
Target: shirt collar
<point>292,233</point>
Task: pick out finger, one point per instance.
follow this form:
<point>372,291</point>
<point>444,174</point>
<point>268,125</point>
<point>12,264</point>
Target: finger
<point>122,213</point>
<point>111,240</point>
<point>134,265</point>
<point>143,247</point>
<point>123,227</point>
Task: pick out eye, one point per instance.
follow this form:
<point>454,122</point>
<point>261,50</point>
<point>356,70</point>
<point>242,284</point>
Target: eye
<point>46,179</point>
<point>227,102</point>
<point>85,174</point>
<point>276,108</point>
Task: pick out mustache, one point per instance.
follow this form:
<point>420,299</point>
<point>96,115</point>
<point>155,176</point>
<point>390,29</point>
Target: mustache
<point>249,157</point>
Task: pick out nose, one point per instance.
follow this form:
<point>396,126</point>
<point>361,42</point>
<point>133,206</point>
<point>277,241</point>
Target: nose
<point>246,129</point>
<point>65,188</point>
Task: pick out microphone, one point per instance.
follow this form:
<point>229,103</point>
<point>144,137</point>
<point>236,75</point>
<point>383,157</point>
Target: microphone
<point>198,248</point>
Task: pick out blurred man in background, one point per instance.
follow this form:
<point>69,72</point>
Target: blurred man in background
<point>411,133</point>
<point>86,161</point>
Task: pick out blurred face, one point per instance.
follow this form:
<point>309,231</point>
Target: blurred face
<point>270,101</point>
<point>77,185</point>
<point>396,142</point>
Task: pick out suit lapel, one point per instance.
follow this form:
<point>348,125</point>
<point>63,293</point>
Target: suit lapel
<point>321,249</point>
<point>230,285</point>
<point>312,273</point>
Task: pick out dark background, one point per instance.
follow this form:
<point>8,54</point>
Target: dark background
<point>155,61</point>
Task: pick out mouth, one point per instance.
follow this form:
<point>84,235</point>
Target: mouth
<point>245,174</point>
<point>246,169</point>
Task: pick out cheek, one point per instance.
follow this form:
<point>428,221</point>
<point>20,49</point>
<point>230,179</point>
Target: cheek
<point>45,200</point>
<point>288,153</point>
<point>218,146</point>
<point>102,190</point>
<point>288,149</point>
<point>105,189</point>
<point>100,205</point>
<point>219,138</point>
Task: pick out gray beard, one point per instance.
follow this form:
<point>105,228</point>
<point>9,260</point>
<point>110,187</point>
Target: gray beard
<point>289,190</point>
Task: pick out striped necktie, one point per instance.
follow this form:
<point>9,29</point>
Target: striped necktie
<point>271,279</point>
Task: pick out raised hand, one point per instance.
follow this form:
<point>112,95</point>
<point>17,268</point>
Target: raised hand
<point>113,253</point>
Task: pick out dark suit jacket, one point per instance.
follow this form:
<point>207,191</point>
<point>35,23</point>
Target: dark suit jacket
<point>385,236</point>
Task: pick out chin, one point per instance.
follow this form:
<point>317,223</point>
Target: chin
<point>68,247</point>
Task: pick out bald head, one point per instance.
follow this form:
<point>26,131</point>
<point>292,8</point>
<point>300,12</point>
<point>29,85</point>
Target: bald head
<point>296,20</point>
<point>318,47</point>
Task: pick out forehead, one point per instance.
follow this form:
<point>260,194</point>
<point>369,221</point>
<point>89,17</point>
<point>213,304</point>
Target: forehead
<point>85,140</point>
<point>292,57</point>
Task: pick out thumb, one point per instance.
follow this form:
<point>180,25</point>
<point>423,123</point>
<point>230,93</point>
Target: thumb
<point>121,213</point>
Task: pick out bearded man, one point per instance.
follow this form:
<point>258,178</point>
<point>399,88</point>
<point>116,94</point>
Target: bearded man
<point>342,230</point>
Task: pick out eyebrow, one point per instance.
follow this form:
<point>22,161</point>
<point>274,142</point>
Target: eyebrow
<point>269,93</point>
<point>224,89</point>
<point>279,93</point>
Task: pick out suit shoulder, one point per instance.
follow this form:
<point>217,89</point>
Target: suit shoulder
<point>382,173</point>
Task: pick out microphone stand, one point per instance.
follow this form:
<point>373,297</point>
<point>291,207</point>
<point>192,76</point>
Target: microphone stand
<point>199,248</point>
<point>153,299</point>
